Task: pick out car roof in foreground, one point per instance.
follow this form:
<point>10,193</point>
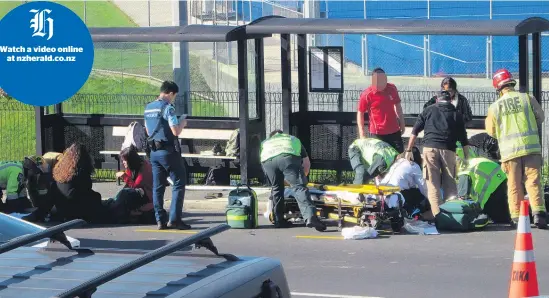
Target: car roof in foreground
<point>65,271</point>
<point>46,272</point>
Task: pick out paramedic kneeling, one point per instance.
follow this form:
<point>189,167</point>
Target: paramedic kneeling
<point>163,128</point>
<point>484,181</point>
<point>281,157</point>
<point>12,181</point>
<point>370,158</point>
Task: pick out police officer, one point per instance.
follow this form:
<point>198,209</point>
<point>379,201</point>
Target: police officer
<point>514,120</point>
<point>283,157</point>
<point>163,128</point>
<point>369,158</point>
<point>484,181</point>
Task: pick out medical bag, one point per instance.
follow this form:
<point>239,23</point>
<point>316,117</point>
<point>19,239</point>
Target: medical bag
<point>241,210</point>
<point>461,216</point>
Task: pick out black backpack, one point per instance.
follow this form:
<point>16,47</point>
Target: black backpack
<point>218,175</point>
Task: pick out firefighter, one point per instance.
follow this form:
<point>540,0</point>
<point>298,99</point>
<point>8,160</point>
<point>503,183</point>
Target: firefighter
<point>514,120</point>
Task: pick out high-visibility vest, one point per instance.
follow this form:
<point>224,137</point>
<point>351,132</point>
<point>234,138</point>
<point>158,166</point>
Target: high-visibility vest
<point>516,130</point>
<point>280,144</point>
<point>370,147</point>
<point>486,176</point>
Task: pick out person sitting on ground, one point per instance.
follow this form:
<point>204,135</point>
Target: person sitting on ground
<point>72,191</point>
<point>408,176</point>
<point>133,203</point>
<point>369,158</point>
<point>38,182</point>
<point>484,182</point>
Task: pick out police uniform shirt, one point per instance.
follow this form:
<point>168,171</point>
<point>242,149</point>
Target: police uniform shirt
<point>169,115</point>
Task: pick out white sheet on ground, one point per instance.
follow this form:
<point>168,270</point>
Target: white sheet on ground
<point>357,233</point>
<point>419,227</point>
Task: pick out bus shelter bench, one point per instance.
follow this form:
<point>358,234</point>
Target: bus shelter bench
<point>187,133</point>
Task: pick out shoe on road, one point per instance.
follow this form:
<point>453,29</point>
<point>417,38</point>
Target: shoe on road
<point>314,222</point>
<point>178,225</point>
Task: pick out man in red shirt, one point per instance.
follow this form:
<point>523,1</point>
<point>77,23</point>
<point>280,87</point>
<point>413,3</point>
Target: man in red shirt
<point>382,103</point>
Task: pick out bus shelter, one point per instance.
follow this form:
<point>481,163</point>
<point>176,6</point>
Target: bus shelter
<point>53,128</point>
<point>318,128</point>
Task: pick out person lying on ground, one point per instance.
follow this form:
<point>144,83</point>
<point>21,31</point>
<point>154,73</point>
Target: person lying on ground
<point>72,191</point>
<point>133,203</point>
<point>369,158</point>
<point>409,178</point>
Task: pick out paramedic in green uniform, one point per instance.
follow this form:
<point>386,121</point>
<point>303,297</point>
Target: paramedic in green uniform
<point>283,157</point>
<point>369,158</point>
<point>13,183</point>
<point>485,182</point>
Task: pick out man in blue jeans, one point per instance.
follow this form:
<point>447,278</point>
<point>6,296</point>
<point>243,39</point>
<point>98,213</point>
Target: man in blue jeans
<point>163,128</point>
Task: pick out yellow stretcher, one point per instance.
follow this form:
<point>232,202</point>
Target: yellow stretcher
<point>370,212</point>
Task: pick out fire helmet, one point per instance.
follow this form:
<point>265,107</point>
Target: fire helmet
<point>501,78</point>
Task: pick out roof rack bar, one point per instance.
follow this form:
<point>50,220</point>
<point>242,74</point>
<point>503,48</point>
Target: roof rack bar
<point>55,233</point>
<point>86,288</point>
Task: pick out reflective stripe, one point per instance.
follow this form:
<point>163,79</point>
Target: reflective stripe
<point>237,217</point>
<point>13,197</point>
<point>524,225</point>
<point>522,256</point>
<point>488,178</point>
<point>153,111</point>
<point>515,149</point>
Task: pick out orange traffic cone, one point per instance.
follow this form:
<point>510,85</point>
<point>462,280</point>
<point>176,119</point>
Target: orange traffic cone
<point>524,279</point>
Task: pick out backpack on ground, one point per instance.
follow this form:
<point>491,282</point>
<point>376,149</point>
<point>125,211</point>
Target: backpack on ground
<point>233,144</point>
<point>461,216</point>
<point>136,136</point>
<point>241,209</point>
<point>218,175</point>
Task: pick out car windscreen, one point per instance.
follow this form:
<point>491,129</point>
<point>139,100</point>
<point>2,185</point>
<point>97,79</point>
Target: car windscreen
<point>12,228</point>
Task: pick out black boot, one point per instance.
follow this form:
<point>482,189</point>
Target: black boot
<point>540,220</point>
<point>314,222</point>
<point>180,225</point>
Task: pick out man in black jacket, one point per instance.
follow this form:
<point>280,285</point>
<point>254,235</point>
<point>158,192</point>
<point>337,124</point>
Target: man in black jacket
<point>458,100</point>
<point>443,126</point>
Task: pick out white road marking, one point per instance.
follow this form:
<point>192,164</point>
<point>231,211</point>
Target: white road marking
<point>329,295</point>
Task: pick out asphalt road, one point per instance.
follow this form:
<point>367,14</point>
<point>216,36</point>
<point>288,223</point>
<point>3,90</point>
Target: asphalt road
<point>324,265</point>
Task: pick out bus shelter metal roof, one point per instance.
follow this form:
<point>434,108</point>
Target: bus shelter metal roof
<point>281,25</point>
<point>188,33</point>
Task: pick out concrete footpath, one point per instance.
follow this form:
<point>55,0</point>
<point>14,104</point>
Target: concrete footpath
<point>195,196</point>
